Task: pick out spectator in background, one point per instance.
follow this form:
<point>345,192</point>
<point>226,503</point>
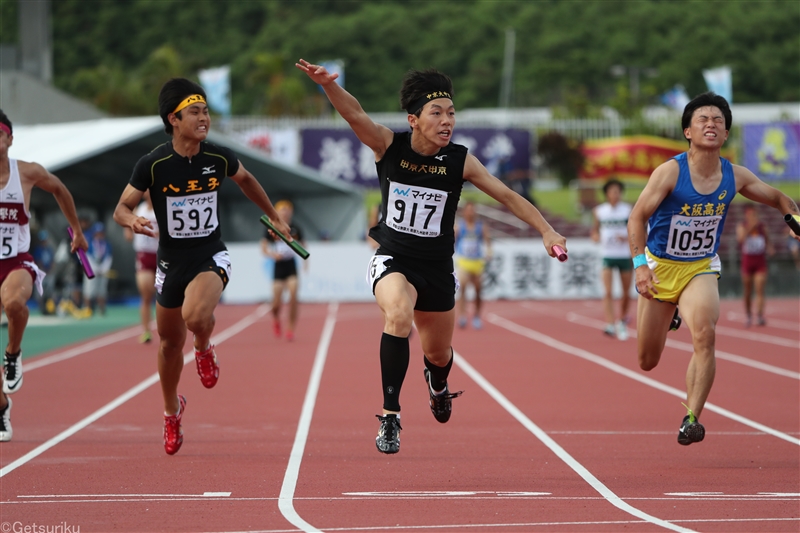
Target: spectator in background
<point>751,235</point>
<point>95,291</point>
<point>284,277</point>
<point>473,249</point>
<point>610,229</point>
<point>146,248</point>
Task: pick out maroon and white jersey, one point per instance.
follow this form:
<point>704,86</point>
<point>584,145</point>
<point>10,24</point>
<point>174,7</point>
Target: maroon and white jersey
<point>15,230</point>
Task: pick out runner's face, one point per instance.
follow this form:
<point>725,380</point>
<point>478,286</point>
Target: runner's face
<point>707,128</point>
<point>285,213</point>
<point>469,213</point>
<point>613,194</point>
<point>194,122</point>
<point>436,121</point>
<point>5,143</point>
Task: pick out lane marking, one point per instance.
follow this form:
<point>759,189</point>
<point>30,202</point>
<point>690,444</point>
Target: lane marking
<point>619,369</point>
<point>443,494</point>
<point>285,500</point>
<point>130,393</point>
<point>758,337</point>
<point>204,495</point>
<point>560,452</point>
<point>686,347</point>
<point>82,349</point>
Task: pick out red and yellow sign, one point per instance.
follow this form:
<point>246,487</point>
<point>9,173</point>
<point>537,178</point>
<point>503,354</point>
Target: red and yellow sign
<point>630,157</point>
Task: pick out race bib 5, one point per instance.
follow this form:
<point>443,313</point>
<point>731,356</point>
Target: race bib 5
<point>8,240</point>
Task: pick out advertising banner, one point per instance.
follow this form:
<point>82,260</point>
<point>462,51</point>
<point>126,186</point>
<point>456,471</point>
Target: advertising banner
<point>338,154</point>
<point>772,151</point>
<point>631,157</point>
<point>519,269</point>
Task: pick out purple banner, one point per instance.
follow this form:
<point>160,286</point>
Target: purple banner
<point>338,154</point>
<point>772,151</point>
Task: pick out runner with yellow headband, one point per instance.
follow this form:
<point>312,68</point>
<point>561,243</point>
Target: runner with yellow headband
<point>183,176</point>
<point>189,100</point>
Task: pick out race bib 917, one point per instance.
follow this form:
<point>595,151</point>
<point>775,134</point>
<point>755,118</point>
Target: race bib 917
<point>415,210</point>
<point>189,217</point>
<point>692,236</point>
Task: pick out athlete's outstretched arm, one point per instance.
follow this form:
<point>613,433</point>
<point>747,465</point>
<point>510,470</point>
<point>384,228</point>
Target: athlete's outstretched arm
<point>255,192</point>
<point>476,173</point>
<point>376,136</point>
<point>749,186</point>
<point>46,181</point>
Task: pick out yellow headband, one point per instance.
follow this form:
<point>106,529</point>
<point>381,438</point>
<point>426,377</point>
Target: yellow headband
<point>193,99</point>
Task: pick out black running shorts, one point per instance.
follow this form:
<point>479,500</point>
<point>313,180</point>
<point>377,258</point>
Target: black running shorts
<point>435,281</point>
<point>284,269</point>
<point>173,274</point>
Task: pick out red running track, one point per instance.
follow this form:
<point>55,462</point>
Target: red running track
<point>557,430</point>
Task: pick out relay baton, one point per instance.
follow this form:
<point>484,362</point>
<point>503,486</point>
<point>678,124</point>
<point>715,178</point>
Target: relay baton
<point>561,254</point>
<point>87,268</point>
<point>294,245</point>
<point>794,222</point>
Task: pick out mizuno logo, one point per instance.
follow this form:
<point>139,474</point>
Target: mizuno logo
<point>208,170</point>
<point>402,193</point>
<point>164,264</point>
<point>440,157</point>
<point>11,196</point>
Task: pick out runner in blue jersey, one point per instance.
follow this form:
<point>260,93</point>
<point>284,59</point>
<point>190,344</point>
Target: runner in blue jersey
<point>421,173</point>
<point>473,249</point>
<point>685,204</point>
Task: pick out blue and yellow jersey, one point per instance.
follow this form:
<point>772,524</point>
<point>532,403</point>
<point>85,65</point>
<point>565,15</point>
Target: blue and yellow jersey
<point>687,226</point>
<point>469,244</point>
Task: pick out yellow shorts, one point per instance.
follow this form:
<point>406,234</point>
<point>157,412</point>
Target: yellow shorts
<point>674,276</point>
<point>471,266</point>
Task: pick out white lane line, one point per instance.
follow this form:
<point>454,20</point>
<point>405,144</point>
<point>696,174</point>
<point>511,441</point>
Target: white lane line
<point>758,337</point>
<point>686,347</point>
<point>619,369</point>
<point>286,498</point>
<point>81,349</point>
<point>562,454</point>
<point>189,356</point>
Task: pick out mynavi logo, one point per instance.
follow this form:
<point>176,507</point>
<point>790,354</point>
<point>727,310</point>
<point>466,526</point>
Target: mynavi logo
<point>402,193</point>
<point>182,203</point>
<point>683,222</point>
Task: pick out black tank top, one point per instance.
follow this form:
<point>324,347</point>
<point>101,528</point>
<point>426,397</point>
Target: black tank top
<point>420,197</point>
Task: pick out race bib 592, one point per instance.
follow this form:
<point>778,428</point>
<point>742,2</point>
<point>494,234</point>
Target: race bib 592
<point>189,217</point>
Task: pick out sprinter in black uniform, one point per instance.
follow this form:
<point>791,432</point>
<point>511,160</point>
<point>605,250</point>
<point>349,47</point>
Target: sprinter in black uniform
<point>284,275</point>
<point>421,175</point>
<point>184,176</point>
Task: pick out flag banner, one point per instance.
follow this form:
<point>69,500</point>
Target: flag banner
<point>630,157</point>
<point>772,151</point>
<point>338,154</point>
<point>720,81</point>
<point>217,84</point>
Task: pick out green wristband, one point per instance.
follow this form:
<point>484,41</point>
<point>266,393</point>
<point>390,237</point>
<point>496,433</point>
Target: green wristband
<point>639,260</point>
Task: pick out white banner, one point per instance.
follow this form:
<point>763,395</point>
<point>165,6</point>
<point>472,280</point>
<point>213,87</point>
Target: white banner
<point>520,269</point>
